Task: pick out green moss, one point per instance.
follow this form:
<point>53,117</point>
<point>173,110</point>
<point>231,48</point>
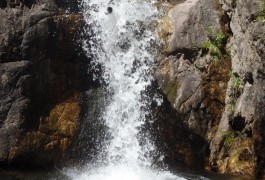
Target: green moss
<point>194,47</point>
<point>171,90</point>
<point>237,83</point>
<point>229,137</point>
<point>261,15</point>
<point>235,91</point>
<point>231,107</point>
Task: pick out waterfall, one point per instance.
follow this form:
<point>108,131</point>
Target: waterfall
<point>121,41</point>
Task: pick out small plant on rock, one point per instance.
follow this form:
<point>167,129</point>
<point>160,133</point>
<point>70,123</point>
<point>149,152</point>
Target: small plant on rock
<point>215,44</point>
<point>214,51</point>
<point>261,15</point>
<point>236,81</point>
<point>231,107</point>
<point>229,137</point>
<point>236,86</point>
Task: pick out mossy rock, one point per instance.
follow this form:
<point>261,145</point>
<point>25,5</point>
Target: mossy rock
<point>171,91</point>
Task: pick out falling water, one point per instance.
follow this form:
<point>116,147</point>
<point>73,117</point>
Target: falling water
<point>121,44</point>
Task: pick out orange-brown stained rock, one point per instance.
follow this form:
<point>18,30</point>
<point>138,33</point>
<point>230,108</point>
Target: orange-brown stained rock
<point>240,158</point>
<point>214,86</point>
<point>62,120</point>
<point>70,23</point>
<point>50,142</point>
<point>45,68</point>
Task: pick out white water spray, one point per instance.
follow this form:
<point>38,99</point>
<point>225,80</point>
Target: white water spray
<point>120,44</point>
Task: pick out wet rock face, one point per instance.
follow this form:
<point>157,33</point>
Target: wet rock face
<point>226,111</point>
<point>41,77</point>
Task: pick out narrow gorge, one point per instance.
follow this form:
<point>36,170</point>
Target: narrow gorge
<point>132,89</point>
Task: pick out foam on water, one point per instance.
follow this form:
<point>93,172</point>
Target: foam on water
<point>124,172</point>
<point>121,44</point>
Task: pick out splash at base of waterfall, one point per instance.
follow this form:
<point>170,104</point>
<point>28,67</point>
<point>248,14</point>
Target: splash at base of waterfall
<point>124,172</point>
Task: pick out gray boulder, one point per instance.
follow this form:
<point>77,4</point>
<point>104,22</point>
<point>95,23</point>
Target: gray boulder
<point>190,24</point>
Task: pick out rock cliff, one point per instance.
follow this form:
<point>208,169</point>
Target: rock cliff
<point>42,74</point>
<point>212,75</point>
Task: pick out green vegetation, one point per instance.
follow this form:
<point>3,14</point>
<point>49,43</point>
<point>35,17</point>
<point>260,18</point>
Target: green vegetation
<point>214,51</point>
<point>194,47</point>
<point>236,85</point>
<point>229,137</point>
<point>231,107</point>
<point>215,44</point>
<point>235,80</point>
<point>261,14</point>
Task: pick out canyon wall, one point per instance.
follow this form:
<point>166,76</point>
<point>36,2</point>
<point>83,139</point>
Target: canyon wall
<point>212,73</point>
